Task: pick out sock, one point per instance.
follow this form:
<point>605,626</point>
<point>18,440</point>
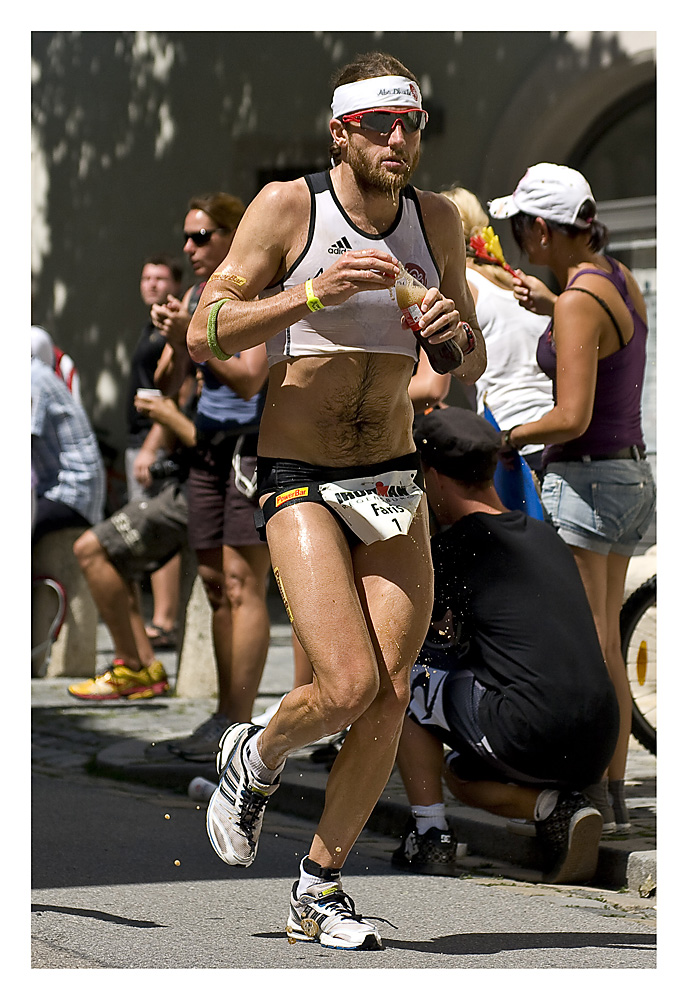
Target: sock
<point>616,790</point>
<point>428,816</point>
<point>262,773</point>
<point>311,873</point>
<point>544,806</point>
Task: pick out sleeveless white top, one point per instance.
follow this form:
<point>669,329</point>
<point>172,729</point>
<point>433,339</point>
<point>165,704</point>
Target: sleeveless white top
<point>368,321</point>
<point>518,391</point>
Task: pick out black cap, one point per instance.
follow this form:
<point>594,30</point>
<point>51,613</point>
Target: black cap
<point>458,443</point>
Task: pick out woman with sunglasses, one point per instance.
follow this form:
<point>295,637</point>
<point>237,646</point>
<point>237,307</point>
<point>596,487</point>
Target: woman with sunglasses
<point>233,562</point>
<point>310,273</point>
<point>598,486</point>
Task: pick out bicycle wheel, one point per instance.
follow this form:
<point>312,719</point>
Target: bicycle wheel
<point>638,623</point>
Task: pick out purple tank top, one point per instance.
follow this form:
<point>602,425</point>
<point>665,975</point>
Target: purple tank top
<point>615,421</point>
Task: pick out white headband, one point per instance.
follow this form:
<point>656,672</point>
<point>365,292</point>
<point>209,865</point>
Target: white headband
<point>378,92</point>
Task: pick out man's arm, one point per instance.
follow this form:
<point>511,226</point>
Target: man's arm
<point>271,233</point>
<point>172,319</point>
<point>445,232</point>
<point>157,437</point>
<point>169,419</point>
<point>427,387</point>
<point>245,373</point>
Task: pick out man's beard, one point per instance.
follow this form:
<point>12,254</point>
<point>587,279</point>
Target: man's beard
<point>371,175</point>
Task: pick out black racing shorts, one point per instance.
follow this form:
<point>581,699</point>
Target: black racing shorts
<point>293,482</point>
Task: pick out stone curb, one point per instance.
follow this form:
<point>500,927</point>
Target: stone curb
<point>622,864</point>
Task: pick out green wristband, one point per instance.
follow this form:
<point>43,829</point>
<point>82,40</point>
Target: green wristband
<point>211,331</point>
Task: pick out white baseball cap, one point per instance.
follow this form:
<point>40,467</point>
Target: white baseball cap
<point>549,190</point>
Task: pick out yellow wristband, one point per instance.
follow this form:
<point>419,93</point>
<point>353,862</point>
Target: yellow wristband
<point>211,331</point>
<point>312,300</point>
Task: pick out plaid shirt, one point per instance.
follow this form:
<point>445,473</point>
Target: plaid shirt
<point>64,452</point>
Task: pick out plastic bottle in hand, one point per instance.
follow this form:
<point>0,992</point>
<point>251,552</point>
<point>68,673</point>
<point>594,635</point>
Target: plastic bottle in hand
<point>444,357</point>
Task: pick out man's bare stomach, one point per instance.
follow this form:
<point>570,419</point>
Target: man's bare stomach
<point>342,410</point>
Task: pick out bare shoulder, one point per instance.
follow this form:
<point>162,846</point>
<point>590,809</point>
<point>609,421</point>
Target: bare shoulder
<point>274,222</point>
<point>444,228</point>
<point>577,316</point>
<point>281,202</point>
<point>270,229</point>
<point>441,219</point>
<point>438,211</point>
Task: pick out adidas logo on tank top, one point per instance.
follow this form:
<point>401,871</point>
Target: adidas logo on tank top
<point>341,246</point>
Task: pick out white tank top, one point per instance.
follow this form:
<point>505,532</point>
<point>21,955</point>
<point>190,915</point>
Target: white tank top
<point>518,391</point>
<point>368,321</point>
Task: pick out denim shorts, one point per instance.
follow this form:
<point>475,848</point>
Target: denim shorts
<point>604,506</point>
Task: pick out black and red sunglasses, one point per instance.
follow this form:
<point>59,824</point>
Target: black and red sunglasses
<point>384,122</point>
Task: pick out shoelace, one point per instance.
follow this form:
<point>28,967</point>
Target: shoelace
<point>252,804</point>
<point>343,903</point>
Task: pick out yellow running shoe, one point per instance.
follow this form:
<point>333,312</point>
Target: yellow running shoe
<point>122,682</point>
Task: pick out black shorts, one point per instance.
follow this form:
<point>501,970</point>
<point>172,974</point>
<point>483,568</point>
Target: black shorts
<point>145,533</point>
<point>445,699</point>
<point>282,475</point>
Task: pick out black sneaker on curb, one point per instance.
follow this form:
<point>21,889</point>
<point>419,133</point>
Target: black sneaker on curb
<point>570,840</point>
<point>326,914</point>
<point>235,811</point>
<point>430,853</point>
<point>201,746</point>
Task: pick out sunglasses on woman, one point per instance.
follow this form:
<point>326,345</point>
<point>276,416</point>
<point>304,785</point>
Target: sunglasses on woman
<point>202,237</point>
<point>385,122</point>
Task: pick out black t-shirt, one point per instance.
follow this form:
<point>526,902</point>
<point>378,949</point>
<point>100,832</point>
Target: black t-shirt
<point>143,364</point>
<point>514,588</point>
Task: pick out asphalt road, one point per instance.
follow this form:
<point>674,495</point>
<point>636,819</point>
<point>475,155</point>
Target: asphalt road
<point>108,893</point>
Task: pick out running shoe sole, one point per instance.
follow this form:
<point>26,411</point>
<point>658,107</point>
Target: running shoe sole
<point>133,695</point>
<point>447,868</point>
<point>295,933</point>
<point>308,931</point>
<point>580,863</point>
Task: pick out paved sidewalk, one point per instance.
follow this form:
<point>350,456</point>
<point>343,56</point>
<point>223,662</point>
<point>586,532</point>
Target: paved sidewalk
<point>111,738</point>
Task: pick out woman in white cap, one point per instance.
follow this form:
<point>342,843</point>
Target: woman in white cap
<point>598,486</point>
<point>513,385</point>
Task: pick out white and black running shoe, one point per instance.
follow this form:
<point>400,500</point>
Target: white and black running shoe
<point>235,811</point>
<point>326,914</point>
<point>570,840</point>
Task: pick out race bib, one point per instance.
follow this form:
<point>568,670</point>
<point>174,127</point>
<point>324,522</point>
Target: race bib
<point>375,508</point>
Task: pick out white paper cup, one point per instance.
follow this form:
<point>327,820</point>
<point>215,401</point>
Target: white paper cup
<point>200,790</point>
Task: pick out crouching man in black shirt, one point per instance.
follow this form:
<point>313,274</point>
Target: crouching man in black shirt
<point>511,676</point>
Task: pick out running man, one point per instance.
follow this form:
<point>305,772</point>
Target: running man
<point>309,273</point>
